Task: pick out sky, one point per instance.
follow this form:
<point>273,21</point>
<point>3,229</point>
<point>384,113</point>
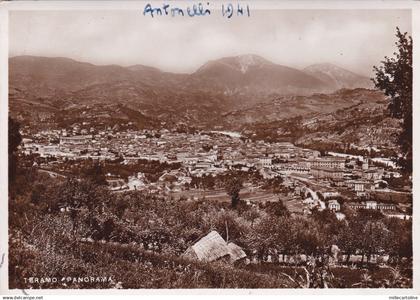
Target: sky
<point>353,39</point>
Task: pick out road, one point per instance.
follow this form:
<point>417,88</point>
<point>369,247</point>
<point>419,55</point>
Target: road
<point>52,174</point>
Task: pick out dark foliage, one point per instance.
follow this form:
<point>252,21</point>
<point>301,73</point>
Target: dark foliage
<point>14,140</point>
<point>233,187</point>
<point>395,78</point>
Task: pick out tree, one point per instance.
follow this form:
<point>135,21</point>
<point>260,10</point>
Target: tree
<point>14,140</point>
<point>95,173</point>
<point>76,194</point>
<point>251,215</point>
<point>349,238</point>
<point>278,209</point>
<point>395,78</point>
<point>276,185</point>
<point>400,241</point>
<point>233,187</point>
<point>37,193</point>
<point>208,181</point>
<point>373,238</point>
<point>228,225</point>
<point>312,239</point>
<point>327,220</point>
<point>274,235</point>
<point>370,214</point>
<point>108,227</point>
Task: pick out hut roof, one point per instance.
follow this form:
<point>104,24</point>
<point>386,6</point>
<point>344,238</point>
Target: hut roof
<point>211,247</point>
<point>235,252</point>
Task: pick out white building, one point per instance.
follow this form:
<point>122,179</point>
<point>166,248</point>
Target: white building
<point>265,162</point>
<point>333,205</point>
<point>135,183</point>
<point>327,162</point>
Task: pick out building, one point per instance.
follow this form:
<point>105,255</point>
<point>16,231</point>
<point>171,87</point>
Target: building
<point>265,162</point>
<point>365,164</point>
<point>203,165</point>
<point>292,169</point>
<point>372,205</point>
<point>386,206</point>
<point>333,205</point>
<point>135,183</point>
<point>327,162</point>
<point>373,174</point>
<point>48,150</point>
<point>75,140</point>
<point>359,186</point>
<point>330,194</point>
<point>328,173</point>
<point>397,215</point>
<point>357,205</point>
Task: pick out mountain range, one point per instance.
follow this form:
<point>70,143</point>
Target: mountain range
<point>245,74</point>
<point>231,92</point>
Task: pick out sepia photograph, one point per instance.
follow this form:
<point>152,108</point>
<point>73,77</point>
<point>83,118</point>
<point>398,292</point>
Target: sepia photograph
<point>209,145</point>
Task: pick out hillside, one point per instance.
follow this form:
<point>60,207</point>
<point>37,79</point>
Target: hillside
<point>236,93</point>
<point>44,76</point>
<point>284,107</point>
<point>360,118</point>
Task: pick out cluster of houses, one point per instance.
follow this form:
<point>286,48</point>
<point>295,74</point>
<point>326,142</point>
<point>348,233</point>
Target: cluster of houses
<point>210,154</point>
<point>322,197</point>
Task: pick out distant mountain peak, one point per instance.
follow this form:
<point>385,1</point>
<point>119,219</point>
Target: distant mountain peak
<point>143,68</point>
<point>337,76</point>
<point>240,63</point>
<point>247,60</point>
<point>326,67</point>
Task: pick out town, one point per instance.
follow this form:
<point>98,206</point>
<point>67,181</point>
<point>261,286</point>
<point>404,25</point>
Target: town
<point>189,164</point>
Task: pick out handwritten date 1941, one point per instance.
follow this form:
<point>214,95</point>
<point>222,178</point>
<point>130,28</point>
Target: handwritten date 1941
<point>229,10</point>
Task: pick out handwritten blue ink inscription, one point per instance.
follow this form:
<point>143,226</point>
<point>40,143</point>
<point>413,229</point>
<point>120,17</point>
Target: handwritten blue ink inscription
<point>195,10</point>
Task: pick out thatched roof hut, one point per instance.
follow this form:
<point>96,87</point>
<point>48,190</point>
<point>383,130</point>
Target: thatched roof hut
<point>213,247</point>
<point>235,252</point>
